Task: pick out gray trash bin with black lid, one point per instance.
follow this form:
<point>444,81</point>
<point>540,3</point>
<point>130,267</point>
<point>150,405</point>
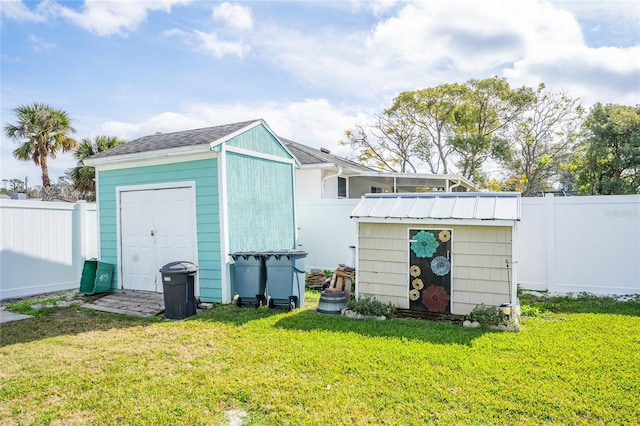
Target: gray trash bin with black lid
<point>285,277</point>
<point>250,278</point>
<point>178,286</point>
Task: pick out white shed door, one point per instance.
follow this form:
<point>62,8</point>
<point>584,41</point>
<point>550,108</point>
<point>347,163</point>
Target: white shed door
<point>157,227</point>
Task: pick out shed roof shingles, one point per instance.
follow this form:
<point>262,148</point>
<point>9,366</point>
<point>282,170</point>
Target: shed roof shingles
<point>307,155</point>
<point>160,141</point>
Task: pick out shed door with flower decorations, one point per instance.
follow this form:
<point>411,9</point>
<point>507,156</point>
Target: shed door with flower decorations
<point>430,270</point>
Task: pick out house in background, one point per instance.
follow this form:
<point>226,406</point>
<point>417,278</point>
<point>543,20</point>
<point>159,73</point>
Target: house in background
<point>438,252</point>
<point>195,195</point>
<point>323,175</point>
<point>328,187</point>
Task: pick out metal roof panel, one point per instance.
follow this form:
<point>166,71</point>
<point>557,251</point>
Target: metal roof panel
<point>486,208</point>
<point>364,208</point>
<point>464,208</point>
<point>507,208</point>
<point>456,206</point>
<point>422,207</point>
<point>402,207</point>
<point>443,207</point>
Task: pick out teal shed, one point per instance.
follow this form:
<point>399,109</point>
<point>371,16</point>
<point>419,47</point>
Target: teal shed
<point>197,196</point>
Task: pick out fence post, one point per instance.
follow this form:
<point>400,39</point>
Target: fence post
<point>79,238</point>
<point>550,241</point>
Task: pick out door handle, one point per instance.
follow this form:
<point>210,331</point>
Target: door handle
<point>153,232</point>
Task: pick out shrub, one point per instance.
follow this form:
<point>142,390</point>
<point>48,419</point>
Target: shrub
<point>487,315</point>
<point>371,307</point>
<point>530,311</point>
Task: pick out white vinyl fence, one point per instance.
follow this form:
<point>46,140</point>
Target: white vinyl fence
<point>576,244</point>
<point>564,244</point>
<point>43,245</point>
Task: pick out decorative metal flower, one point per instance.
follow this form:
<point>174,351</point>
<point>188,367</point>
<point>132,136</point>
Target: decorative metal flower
<point>414,294</point>
<point>444,236</point>
<point>435,298</point>
<point>415,270</point>
<point>440,266</point>
<point>424,244</point>
<point>417,284</point>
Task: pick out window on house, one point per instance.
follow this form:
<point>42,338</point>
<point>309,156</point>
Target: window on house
<point>342,187</point>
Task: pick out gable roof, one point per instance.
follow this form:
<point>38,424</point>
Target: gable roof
<point>184,138</point>
<point>308,156</point>
<point>483,206</point>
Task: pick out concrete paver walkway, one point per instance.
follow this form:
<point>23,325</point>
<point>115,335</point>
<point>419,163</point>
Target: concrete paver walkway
<point>136,303</point>
<point>8,316</point>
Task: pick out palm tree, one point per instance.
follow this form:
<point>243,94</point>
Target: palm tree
<point>43,131</point>
<point>84,176</point>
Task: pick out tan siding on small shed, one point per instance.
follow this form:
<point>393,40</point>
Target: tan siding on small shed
<point>382,267</point>
<point>479,266</point>
<point>479,255</point>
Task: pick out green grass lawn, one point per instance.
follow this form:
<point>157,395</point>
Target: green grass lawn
<point>576,362</point>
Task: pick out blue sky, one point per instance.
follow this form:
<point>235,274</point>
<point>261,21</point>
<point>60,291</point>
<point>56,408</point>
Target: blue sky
<point>311,69</point>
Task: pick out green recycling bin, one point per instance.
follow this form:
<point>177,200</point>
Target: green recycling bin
<point>285,278</point>
<point>178,280</point>
<point>96,277</point>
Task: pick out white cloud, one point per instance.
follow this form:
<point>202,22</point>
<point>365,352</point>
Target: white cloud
<point>234,15</point>
<point>428,43</point>
<point>314,122</point>
<point>606,75</point>
<point>17,11</point>
<point>608,12</point>
<point>175,32</point>
<point>211,43</point>
<point>39,44</point>
<point>112,17</point>
<point>164,122</point>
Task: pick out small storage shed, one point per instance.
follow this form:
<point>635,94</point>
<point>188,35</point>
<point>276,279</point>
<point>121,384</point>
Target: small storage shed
<point>197,196</point>
<point>437,252</point>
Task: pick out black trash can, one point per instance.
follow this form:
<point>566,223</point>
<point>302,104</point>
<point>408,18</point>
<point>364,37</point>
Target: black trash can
<point>250,278</point>
<point>178,286</point>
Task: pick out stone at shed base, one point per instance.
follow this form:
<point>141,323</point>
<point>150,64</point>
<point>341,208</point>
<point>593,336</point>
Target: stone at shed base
<point>350,314</point>
<point>206,305</point>
<point>502,327</point>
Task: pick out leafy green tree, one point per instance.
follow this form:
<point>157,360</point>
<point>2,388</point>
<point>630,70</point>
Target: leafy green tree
<point>541,141</point>
<point>64,189</point>
<point>487,107</point>
<point>83,177</point>
<point>17,185</point>
<point>20,186</point>
<point>43,131</point>
<point>608,159</point>
<point>432,109</point>
<point>388,144</point>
